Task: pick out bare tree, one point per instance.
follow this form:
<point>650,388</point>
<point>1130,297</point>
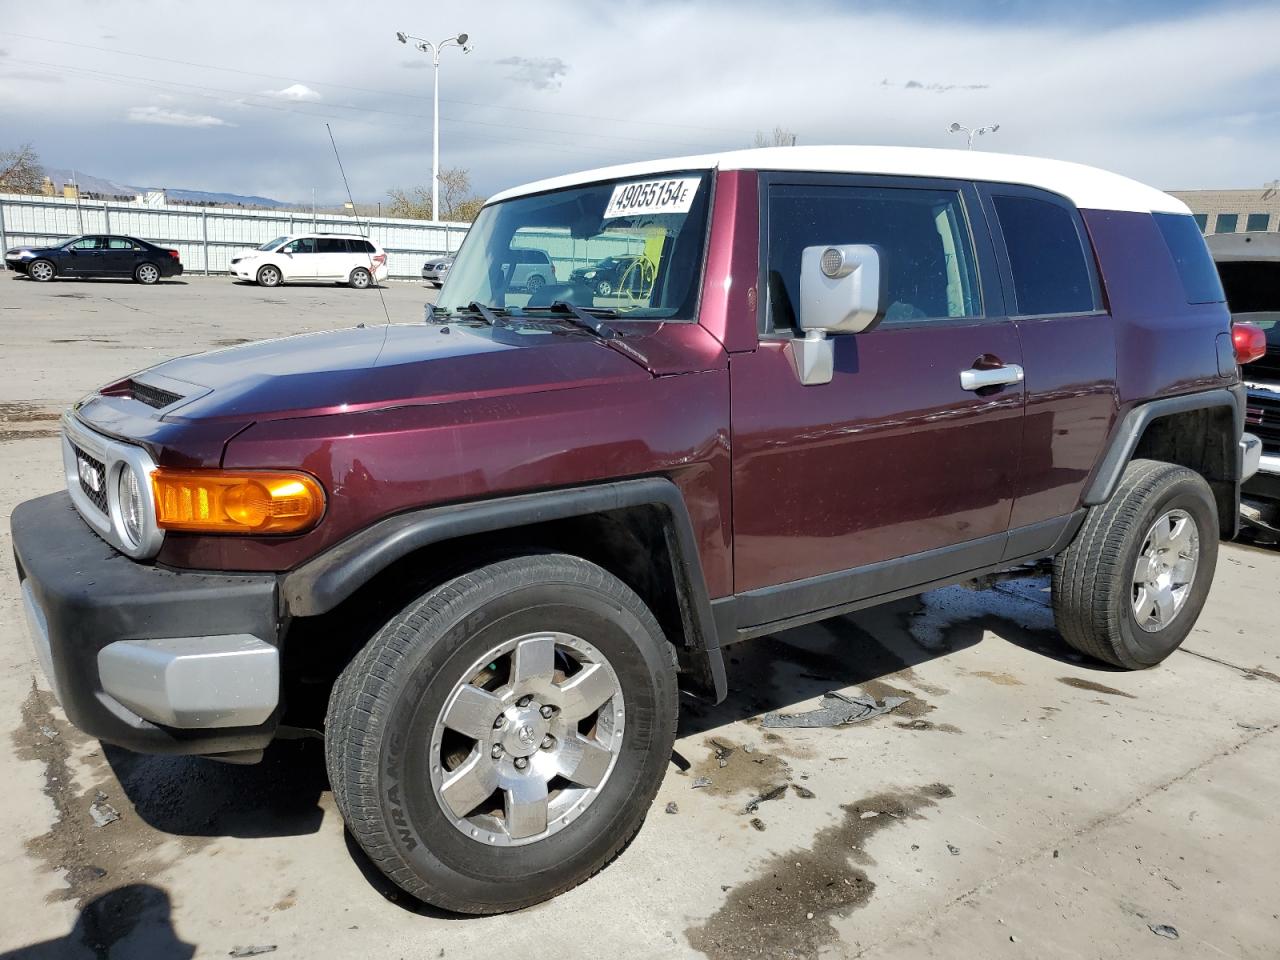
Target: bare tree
<point>781,137</point>
<point>20,170</point>
<point>457,201</point>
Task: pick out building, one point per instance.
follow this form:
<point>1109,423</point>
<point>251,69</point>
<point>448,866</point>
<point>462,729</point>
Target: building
<point>1234,211</point>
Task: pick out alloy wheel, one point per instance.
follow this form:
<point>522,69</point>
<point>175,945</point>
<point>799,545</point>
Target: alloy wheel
<point>40,270</point>
<point>147,273</point>
<point>1165,570</point>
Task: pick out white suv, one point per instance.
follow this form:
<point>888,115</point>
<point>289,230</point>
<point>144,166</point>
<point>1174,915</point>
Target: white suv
<point>345,258</point>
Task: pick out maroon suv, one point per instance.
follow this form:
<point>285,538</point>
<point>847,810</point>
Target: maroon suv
<point>482,553</point>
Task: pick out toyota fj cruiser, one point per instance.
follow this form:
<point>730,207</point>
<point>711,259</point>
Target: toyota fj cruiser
<point>482,553</point>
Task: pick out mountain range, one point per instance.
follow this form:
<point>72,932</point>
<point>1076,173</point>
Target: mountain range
<point>99,185</point>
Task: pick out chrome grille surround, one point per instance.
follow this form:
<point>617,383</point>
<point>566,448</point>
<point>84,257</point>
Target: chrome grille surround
<point>114,456</point>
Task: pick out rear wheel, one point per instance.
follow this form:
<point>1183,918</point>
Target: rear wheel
<point>501,739</point>
<point>41,270</point>
<point>269,276</point>
<point>360,278</point>
<point>535,283</point>
<point>147,273</point>
<point>1130,587</point>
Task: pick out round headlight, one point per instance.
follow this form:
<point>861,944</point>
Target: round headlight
<point>131,504</point>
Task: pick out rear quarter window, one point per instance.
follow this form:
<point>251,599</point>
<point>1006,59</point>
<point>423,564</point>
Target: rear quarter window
<point>1190,254</point>
<point>1051,273</point>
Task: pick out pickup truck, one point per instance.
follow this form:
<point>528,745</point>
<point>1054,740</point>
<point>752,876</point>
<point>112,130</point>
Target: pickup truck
<point>483,554</point>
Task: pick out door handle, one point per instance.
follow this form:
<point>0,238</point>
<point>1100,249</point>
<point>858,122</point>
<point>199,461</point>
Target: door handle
<point>976,379</point>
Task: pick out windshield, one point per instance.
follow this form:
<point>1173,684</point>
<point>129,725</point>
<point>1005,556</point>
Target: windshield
<point>530,252</point>
<point>272,244</point>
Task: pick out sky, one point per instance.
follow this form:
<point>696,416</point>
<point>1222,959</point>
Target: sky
<point>234,96</point>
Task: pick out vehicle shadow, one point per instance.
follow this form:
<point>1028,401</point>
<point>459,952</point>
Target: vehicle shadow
<point>876,649</point>
<point>196,797</point>
<point>131,921</point>
<point>109,281</point>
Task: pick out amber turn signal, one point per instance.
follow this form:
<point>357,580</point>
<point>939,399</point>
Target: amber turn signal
<point>248,502</point>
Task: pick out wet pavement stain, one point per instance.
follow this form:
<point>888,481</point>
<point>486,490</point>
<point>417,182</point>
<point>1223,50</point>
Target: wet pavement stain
<point>752,773</point>
<point>1003,679</point>
<point>15,412</point>
<point>786,911</point>
<point>921,724</point>
<point>1081,684</point>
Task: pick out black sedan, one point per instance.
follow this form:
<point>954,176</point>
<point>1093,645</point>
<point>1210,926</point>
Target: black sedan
<point>612,274</point>
<point>96,255</point>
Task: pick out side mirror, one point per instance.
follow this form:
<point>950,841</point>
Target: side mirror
<point>841,291</point>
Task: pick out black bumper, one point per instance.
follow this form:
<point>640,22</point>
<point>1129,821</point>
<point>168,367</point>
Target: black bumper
<point>90,596</point>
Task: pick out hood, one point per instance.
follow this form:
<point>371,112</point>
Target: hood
<point>369,367</point>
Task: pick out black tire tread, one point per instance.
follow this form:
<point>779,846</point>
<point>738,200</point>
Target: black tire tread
<point>360,702</point>
<point>1084,573</point>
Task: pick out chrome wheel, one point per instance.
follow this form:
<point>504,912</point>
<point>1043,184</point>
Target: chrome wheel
<point>1165,570</point>
<point>268,276</point>
<point>148,273</point>
<point>527,739</point>
<point>360,278</point>
<point>604,288</point>
<point>40,270</point>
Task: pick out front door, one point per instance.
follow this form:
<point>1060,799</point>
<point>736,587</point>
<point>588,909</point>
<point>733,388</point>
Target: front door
<point>896,457</point>
<point>84,257</point>
<point>298,259</point>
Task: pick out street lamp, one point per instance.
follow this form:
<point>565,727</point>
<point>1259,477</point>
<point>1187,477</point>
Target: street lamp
<point>972,132</point>
<point>426,46</point>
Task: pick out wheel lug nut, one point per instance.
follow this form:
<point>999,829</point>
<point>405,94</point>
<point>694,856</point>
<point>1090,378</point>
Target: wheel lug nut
<point>501,722</point>
<point>496,752</point>
<point>548,742</point>
<point>547,710</point>
<point>521,763</point>
<point>524,701</point>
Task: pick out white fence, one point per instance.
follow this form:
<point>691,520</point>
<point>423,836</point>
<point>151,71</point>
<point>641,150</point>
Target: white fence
<point>207,237</point>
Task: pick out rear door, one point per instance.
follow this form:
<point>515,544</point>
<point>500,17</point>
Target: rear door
<point>121,256</point>
<point>298,259</point>
<point>894,467</point>
<point>1068,345</point>
<point>333,258</point>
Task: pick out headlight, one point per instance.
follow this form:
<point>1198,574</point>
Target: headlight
<point>235,260</point>
<point>589,274</point>
<point>247,502</point>
<point>129,495</point>
<point>25,254</point>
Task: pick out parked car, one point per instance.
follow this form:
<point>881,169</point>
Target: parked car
<point>344,258</point>
<point>96,255</point>
<point>608,276</point>
<point>435,270</point>
<point>1249,265</point>
<point>482,554</point>
<point>528,269</point>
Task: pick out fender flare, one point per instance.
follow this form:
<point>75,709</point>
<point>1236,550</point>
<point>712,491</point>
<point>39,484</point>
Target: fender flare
<point>323,582</point>
<point>1125,437</point>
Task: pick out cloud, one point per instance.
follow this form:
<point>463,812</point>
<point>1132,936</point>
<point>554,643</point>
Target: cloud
<point>934,87</point>
<point>174,118</point>
<point>296,91</point>
<point>541,73</point>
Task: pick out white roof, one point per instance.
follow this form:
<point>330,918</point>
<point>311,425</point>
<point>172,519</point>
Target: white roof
<point>1087,187</point>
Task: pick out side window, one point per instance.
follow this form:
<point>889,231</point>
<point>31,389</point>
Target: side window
<point>361,246</point>
<point>926,251</point>
<point>88,243</point>
<point>1191,256</point>
<point>1051,273</point>
<point>120,243</point>
<point>301,245</point>
<point>331,245</point>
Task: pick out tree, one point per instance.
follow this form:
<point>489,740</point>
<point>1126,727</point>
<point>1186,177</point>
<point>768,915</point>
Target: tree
<point>456,200</point>
<point>781,137</point>
<point>20,170</point>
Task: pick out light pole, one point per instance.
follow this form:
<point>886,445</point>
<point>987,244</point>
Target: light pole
<point>972,132</point>
<point>426,46</point>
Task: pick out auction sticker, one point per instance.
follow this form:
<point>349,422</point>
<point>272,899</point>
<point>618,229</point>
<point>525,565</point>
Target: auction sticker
<point>673,195</point>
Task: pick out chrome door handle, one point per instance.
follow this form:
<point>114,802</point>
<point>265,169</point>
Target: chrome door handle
<point>976,379</point>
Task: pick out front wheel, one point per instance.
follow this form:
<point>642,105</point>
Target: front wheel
<point>41,270</point>
<point>360,278</point>
<point>501,738</point>
<point>269,276</point>
<point>603,288</point>
<point>147,273</point>
<point>1130,586</point>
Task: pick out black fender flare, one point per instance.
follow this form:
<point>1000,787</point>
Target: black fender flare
<point>320,584</point>
<point>1125,437</point>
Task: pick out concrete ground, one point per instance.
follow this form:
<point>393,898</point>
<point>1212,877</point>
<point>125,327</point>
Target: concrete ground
<point>1023,802</point>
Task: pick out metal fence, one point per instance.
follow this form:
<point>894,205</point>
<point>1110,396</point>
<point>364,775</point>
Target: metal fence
<point>207,237</point>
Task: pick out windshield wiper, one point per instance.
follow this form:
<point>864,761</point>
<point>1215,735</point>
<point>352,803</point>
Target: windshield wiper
<point>587,318</point>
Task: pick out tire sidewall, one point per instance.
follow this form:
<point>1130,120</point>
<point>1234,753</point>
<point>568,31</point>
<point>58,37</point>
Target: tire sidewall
<point>1145,648</point>
<point>53,271</point>
<point>138,274</point>
<point>264,272</point>
<point>422,832</point>
<point>356,273</point>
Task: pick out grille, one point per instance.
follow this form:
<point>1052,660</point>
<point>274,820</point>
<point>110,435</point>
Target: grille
<point>1263,418</point>
<point>1265,367</point>
<point>152,396</point>
<point>92,474</point>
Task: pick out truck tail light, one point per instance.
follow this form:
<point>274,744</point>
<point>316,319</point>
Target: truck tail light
<point>248,502</point>
<point>1249,340</point>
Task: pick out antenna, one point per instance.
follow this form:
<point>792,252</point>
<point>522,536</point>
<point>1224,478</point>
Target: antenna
<point>364,232</point>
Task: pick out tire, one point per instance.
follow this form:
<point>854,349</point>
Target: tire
<point>360,278</point>
<point>269,276</point>
<point>535,283</point>
<point>146,273</point>
<point>42,271</point>
<point>393,759</point>
<point>604,288</point>
<point>1160,527</point>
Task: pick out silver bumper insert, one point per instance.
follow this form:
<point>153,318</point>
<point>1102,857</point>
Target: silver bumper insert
<point>1251,457</point>
<point>38,627</point>
<point>194,682</point>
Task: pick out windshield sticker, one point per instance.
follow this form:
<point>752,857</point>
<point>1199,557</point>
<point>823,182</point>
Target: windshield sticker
<point>652,197</point>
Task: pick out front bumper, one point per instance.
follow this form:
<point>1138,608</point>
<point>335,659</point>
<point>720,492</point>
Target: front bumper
<point>155,660</point>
